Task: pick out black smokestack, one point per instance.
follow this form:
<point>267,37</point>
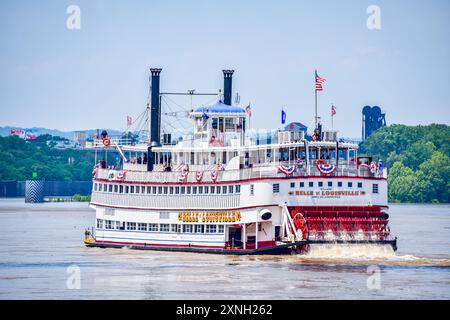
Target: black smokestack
<point>155,123</point>
<point>227,85</point>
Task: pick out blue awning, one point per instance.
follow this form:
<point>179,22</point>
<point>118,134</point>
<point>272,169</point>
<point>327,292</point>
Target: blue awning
<point>220,107</point>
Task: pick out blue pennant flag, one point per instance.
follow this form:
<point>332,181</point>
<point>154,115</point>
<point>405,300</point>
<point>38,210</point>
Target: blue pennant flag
<point>283,117</point>
<point>204,115</point>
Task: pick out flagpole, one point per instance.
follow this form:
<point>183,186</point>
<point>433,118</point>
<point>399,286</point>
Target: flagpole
<point>331,117</point>
<point>249,118</point>
<point>315,94</point>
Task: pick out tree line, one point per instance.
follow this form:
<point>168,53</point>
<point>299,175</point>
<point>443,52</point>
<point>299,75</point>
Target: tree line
<point>19,159</point>
<point>418,161</point>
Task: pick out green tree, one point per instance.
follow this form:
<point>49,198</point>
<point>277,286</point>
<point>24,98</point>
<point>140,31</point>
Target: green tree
<point>437,173</point>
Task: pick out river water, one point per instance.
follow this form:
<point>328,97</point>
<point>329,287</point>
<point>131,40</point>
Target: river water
<point>42,257</point>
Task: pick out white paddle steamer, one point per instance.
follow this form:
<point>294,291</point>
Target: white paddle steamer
<point>222,190</point>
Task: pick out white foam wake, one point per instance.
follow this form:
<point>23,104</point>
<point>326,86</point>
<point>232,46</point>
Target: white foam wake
<point>350,251</point>
<point>364,253</point>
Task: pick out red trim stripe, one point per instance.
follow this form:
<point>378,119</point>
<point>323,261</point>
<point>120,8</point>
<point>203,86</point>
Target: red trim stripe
<point>235,181</point>
<point>238,208</point>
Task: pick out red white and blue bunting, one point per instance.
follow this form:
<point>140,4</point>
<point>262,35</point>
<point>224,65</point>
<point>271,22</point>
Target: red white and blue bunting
<point>214,175</point>
<point>199,176</point>
<point>287,169</point>
<point>183,176</point>
<point>121,174</point>
<point>325,168</point>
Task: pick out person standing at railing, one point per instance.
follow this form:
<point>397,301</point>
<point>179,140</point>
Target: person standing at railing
<point>380,167</point>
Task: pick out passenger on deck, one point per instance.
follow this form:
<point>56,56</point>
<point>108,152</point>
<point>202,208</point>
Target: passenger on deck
<point>103,164</point>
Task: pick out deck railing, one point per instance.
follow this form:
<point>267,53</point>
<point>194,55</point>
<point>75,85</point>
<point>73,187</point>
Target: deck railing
<point>208,175</point>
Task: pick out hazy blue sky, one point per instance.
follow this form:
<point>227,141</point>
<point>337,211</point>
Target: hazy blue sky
<point>54,77</point>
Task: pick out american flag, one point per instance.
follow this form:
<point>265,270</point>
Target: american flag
<point>129,121</point>
<point>333,110</point>
<point>319,82</point>
<point>248,110</point>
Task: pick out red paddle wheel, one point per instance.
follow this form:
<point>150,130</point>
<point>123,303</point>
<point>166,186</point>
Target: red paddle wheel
<point>340,222</point>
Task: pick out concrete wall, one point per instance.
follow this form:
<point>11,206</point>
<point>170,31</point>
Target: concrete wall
<point>51,188</point>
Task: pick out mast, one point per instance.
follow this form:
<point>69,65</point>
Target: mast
<point>315,95</point>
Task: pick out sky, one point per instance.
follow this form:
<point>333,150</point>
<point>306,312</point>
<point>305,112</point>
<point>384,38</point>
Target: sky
<point>93,77</point>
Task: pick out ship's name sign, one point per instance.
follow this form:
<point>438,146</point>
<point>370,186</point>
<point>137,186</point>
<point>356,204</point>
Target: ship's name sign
<point>325,193</point>
<point>212,216</point>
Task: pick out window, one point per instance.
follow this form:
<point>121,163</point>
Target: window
<point>177,190</point>
<point>237,188</point>
<point>211,228</point>
<point>109,224</point>
<point>330,183</point>
<point>187,228</point>
<point>138,189</point>
<point>142,226</point>
<point>142,189</point>
<point>164,227</point>
<point>188,190</point>
<point>220,228</point>
<point>116,188</point>
<point>99,223</point>
<point>350,184</point>
<point>154,190</point>
<point>104,187</point>
<point>149,190</point>
<point>311,184</point>
<point>152,227</point>
<point>171,190</point>
<point>173,228</point>
<point>375,188</point>
<point>359,184</point>
<point>339,183</point>
<point>132,189</point>
<point>127,189</point>
<point>320,184</point>
<point>200,190</point>
<point>252,190</point>
<point>276,188</point>
<point>166,190</point>
<point>118,225</point>
<point>194,190</point>
<point>183,190</point>
<point>199,228</point>
<point>131,225</point>
<point>224,189</point>
<point>292,184</point>
<point>164,215</point>
<point>302,184</point>
<point>160,190</point>
<point>213,189</point>
<point>230,189</point>
<point>218,189</point>
<point>95,187</point>
<point>206,189</point>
